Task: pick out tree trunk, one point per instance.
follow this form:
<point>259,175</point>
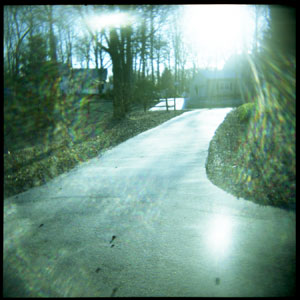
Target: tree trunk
<point>17,52</point>
<point>158,63</point>
<point>143,49</point>
<point>118,103</point>
<point>256,29</point>
<point>283,29</point>
<point>96,50</point>
<point>52,40</point>
<point>151,44</point>
<point>128,68</point>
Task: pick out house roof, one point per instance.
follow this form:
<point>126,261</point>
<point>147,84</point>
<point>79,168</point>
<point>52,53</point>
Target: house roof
<point>84,74</point>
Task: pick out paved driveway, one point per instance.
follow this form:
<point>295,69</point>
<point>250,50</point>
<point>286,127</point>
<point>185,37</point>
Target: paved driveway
<point>175,233</point>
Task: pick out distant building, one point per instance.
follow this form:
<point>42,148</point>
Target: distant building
<point>213,85</point>
<point>82,81</point>
<point>90,81</point>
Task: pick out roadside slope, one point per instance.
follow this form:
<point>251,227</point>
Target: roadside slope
<point>252,156</point>
<point>36,165</point>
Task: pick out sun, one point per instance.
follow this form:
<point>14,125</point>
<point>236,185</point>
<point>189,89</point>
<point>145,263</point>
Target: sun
<point>116,19</point>
<point>216,31</point>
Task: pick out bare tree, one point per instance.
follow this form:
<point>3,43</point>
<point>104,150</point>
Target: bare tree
<point>143,42</point>
<point>260,15</point>
<point>83,49</point>
<point>15,32</point>
<point>52,38</point>
<point>65,20</point>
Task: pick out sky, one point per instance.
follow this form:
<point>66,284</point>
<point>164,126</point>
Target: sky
<point>215,32</point>
<point>212,33</point>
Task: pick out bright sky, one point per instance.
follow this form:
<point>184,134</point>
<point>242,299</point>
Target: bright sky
<point>97,22</point>
<point>216,31</point>
<point>212,32</point>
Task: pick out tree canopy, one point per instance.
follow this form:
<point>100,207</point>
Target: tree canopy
<point>45,36</point>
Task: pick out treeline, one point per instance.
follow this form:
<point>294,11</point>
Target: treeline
<point>39,39</point>
<point>272,70</point>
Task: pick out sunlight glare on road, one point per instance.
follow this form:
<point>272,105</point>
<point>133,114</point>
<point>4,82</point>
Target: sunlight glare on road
<point>220,234</point>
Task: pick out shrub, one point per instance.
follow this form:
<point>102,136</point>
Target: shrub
<point>245,111</point>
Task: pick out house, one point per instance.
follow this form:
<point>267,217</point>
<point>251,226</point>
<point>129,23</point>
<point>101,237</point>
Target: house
<point>83,81</point>
<point>90,81</point>
<point>209,86</point>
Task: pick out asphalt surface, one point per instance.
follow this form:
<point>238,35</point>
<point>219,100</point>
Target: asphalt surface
<point>144,220</point>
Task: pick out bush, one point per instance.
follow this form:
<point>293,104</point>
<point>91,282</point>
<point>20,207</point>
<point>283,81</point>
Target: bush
<point>245,111</point>
<point>144,92</point>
